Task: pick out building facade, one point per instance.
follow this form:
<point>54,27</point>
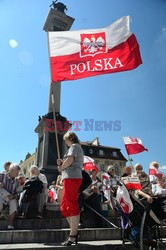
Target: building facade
<point>104,156</point>
<point>30,160</point>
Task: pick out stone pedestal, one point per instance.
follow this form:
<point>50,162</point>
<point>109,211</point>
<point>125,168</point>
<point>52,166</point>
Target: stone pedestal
<point>47,150</point>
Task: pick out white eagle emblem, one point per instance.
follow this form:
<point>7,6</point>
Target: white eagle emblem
<point>93,45</point>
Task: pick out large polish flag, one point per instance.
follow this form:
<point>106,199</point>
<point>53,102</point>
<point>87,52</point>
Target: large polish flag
<point>133,145</point>
<point>85,53</point>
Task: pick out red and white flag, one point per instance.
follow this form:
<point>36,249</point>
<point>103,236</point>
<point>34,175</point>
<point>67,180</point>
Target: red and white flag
<point>89,163</point>
<point>133,145</point>
<point>89,167</point>
<point>132,183</point>
<point>88,159</point>
<point>84,53</point>
<point>154,171</point>
<point>105,176</point>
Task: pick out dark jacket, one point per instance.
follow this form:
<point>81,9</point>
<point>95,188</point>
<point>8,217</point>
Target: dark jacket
<point>32,187</point>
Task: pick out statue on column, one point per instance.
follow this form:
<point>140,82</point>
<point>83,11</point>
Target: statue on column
<point>58,6</point>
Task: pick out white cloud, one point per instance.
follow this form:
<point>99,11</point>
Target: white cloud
<point>163,168</point>
<point>13,43</point>
<point>164,31</point>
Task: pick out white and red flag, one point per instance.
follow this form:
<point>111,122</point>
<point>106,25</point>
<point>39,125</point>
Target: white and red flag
<point>132,183</point>
<point>84,53</point>
<point>155,172</point>
<point>105,176</point>
<point>89,163</point>
<point>133,145</point>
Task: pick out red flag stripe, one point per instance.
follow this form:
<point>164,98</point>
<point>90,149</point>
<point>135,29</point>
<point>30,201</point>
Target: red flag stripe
<point>133,186</point>
<point>123,57</point>
<point>152,171</point>
<point>134,148</point>
<point>89,166</point>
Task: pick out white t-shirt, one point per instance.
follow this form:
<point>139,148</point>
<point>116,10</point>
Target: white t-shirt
<point>157,190</point>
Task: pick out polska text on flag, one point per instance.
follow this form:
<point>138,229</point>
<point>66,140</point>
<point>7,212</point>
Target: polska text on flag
<point>133,145</point>
<point>85,53</point>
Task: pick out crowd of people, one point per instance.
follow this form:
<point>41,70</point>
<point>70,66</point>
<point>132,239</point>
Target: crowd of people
<point>18,192</point>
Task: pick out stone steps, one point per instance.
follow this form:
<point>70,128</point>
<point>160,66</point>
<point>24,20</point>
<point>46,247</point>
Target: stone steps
<point>51,238</point>
<point>23,224</point>
<point>83,245</point>
<point>28,224</point>
<point>48,233</point>
<point>57,235</point>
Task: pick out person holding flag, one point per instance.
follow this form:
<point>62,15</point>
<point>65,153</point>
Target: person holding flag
<point>71,169</point>
<point>110,185</point>
<point>154,173</point>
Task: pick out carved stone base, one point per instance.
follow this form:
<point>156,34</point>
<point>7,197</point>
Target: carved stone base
<point>47,148</point>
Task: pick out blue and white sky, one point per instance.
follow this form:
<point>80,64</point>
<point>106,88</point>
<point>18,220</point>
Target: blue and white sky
<point>135,98</point>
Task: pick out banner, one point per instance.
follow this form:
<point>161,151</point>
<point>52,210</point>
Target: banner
<point>85,53</point>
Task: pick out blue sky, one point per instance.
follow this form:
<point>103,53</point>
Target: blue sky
<point>135,98</point>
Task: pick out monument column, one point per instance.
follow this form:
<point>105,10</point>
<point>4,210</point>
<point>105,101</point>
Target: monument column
<point>56,20</point>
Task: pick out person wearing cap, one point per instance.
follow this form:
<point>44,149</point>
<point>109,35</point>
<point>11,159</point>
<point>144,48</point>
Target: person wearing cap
<point>111,185</point>
<point>154,173</point>
<point>138,168</point>
<point>113,178</point>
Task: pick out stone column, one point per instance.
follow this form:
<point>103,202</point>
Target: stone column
<point>47,151</point>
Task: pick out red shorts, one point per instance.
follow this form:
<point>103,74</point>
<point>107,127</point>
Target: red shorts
<point>69,201</point>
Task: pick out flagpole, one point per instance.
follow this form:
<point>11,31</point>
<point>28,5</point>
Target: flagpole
<point>130,160</point>
<point>56,133</point>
